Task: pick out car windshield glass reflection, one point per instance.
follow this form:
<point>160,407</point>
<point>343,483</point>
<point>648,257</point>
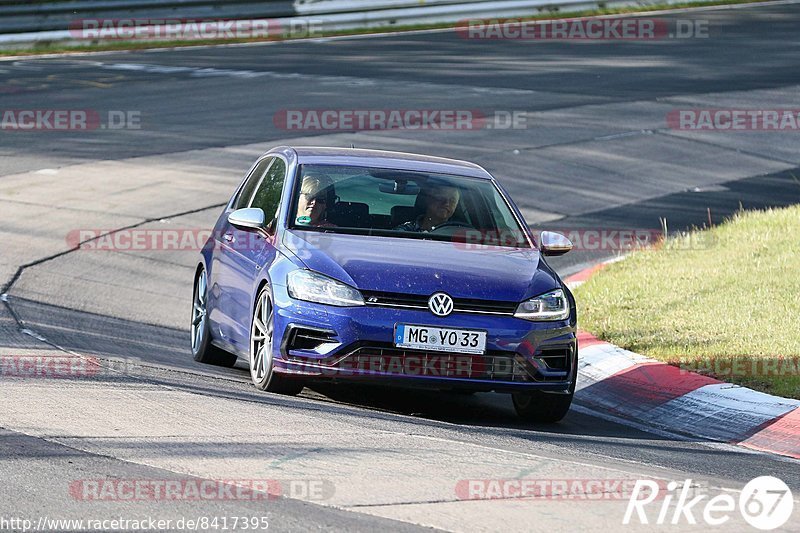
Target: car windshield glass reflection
<point>397,203</point>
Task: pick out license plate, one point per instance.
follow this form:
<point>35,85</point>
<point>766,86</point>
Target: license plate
<point>440,339</point>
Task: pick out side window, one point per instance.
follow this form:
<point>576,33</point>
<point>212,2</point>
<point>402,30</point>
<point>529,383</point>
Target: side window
<point>268,194</point>
<point>252,182</point>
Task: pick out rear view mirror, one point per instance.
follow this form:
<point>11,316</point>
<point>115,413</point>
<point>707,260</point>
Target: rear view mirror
<point>399,187</point>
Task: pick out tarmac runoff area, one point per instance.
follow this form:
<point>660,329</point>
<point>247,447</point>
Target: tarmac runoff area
<point>149,413</point>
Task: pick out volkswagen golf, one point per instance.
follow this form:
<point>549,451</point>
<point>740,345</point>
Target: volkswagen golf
<point>353,265</point>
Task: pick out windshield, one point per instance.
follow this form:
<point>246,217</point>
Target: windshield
<point>399,203</point>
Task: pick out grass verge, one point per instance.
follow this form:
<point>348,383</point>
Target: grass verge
<point>723,301</point>
<point>56,47</point>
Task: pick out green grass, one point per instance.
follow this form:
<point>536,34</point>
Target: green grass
<point>723,301</point>
<point>57,47</point>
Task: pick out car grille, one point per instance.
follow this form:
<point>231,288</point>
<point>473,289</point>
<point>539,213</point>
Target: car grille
<point>553,363</point>
<point>403,362</point>
<point>549,365</point>
<point>556,358</point>
<point>303,338</point>
<point>460,305</point>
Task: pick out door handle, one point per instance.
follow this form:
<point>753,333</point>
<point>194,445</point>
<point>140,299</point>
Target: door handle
<point>228,237</point>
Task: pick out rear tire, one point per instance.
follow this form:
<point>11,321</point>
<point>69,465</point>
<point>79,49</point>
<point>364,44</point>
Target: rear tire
<point>541,407</point>
<point>202,349</point>
<point>262,331</point>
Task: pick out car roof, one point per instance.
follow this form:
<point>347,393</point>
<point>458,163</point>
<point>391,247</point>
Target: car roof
<point>386,159</point>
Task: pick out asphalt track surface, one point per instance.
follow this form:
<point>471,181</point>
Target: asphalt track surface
<point>596,153</point>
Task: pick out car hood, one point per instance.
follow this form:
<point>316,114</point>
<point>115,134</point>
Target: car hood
<point>422,267</point>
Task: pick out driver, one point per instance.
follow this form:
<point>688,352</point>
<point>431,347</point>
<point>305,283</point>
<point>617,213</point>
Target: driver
<point>316,191</point>
<point>439,202</point>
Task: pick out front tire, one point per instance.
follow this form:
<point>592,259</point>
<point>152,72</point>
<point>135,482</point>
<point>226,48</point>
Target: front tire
<point>541,407</point>
<point>202,349</point>
<point>261,350</point>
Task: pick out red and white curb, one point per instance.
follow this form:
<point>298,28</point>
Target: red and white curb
<point>633,387</point>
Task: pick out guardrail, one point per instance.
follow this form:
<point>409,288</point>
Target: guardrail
<point>52,21</point>
<point>16,17</point>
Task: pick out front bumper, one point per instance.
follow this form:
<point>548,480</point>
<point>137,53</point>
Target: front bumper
<point>356,344</point>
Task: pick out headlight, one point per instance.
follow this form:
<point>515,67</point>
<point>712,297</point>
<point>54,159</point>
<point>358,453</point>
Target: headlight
<point>553,305</point>
<point>312,287</point>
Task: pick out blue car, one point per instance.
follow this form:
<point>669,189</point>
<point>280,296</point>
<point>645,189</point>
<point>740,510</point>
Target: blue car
<point>351,265</point>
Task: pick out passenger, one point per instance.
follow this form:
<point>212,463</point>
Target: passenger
<point>316,192</point>
<point>439,203</point>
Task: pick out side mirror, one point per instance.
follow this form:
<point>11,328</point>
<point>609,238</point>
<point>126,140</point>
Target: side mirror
<point>552,243</point>
<point>249,218</point>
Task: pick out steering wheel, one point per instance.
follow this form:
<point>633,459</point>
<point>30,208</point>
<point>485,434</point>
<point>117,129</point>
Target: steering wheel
<point>451,224</point>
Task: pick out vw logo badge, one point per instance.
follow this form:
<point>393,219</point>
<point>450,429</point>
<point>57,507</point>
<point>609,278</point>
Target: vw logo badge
<point>440,304</point>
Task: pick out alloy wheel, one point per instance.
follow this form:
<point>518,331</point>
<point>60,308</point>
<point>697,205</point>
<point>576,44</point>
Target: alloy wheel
<point>199,311</point>
<point>261,339</point>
